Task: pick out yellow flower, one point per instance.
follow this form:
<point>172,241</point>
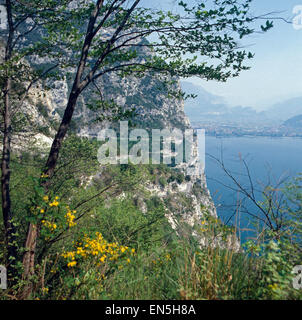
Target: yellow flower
<point>103,258</point>
<point>45,290</point>
<point>42,210</point>
<point>54,204</point>
<point>274,287</point>
<point>71,264</point>
<point>97,248</point>
<point>45,198</point>
<point>70,219</point>
<point>49,225</point>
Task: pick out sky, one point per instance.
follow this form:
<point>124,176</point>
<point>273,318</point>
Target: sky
<point>276,70</point>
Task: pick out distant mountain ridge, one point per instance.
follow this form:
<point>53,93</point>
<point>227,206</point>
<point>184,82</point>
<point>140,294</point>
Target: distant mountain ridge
<point>286,109</point>
<point>294,122</point>
<point>208,107</point>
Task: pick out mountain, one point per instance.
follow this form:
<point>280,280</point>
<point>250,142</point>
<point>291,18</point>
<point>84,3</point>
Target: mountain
<point>204,104</point>
<point>282,111</point>
<point>294,122</point>
<point>154,109</point>
<point>209,107</point>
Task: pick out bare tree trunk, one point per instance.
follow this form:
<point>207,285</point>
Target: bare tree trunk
<point>57,143</point>
<point>29,260</point>
<point>5,185</point>
<point>6,152</point>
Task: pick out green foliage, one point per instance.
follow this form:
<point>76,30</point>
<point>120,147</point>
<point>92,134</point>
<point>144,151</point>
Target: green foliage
<point>152,261</point>
<point>276,273</point>
<point>213,228</point>
<point>125,223</point>
<point>162,182</point>
<point>102,235</point>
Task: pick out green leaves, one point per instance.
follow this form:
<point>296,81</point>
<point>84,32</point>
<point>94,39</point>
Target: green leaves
<point>268,26</point>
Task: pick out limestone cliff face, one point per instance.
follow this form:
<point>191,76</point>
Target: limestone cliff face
<point>186,199</point>
<point>154,110</point>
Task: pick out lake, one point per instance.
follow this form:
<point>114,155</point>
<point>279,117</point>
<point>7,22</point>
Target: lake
<point>268,159</point>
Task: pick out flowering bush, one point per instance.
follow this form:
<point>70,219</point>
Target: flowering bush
<point>53,216</point>
<point>98,250</point>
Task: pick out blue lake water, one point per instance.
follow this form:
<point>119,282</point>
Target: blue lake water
<point>267,158</point>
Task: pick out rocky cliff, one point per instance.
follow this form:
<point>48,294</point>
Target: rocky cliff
<point>186,197</point>
<point>153,110</point>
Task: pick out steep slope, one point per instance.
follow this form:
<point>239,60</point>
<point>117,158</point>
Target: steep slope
<point>154,110</point>
<point>207,107</point>
<point>186,197</point>
<point>294,122</point>
<point>285,109</point>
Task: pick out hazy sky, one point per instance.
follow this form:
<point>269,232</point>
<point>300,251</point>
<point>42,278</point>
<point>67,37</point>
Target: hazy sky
<point>276,72</point>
